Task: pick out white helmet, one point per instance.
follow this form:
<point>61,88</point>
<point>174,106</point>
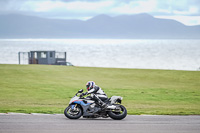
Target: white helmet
<point>90,85</point>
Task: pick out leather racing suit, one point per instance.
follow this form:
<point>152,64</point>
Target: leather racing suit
<point>98,95</point>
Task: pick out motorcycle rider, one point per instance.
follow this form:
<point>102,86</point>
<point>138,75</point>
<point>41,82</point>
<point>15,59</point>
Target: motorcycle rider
<point>97,93</point>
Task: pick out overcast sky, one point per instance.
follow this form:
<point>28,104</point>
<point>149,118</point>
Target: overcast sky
<point>185,11</point>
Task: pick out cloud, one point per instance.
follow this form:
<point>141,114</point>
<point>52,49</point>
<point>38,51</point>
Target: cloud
<point>75,6</point>
<point>179,7</point>
<point>134,7</point>
<point>185,7</point>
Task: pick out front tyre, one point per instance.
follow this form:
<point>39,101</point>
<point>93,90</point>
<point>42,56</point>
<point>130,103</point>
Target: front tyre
<point>118,115</point>
<point>73,113</point>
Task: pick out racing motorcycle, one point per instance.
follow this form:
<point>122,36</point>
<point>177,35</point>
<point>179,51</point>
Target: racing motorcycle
<point>86,107</point>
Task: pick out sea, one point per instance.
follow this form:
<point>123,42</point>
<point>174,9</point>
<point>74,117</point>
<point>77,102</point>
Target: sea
<point>111,53</point>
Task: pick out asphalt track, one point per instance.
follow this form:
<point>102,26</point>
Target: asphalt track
<point>40,123</point>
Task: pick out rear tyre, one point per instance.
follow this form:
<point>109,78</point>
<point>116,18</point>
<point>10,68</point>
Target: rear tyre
<point>118,115</point>
<point>73,114</point>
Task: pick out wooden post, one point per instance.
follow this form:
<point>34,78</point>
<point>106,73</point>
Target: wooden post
<point>66,56</point>
<point>29,58</point>
<point>19,57</point>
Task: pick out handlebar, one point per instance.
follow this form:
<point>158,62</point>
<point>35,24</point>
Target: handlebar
<point>80,92</point>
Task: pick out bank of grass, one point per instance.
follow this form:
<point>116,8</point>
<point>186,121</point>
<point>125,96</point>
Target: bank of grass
<point>48,89</point>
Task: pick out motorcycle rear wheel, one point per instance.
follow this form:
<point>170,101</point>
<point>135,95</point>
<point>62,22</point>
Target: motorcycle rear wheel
<point>118,115</point>
<point>71,114</point>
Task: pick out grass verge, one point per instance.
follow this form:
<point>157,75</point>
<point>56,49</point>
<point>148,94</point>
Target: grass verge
<point>48,89</point>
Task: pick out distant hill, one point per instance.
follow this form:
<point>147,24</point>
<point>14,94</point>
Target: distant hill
<point>140,26</point>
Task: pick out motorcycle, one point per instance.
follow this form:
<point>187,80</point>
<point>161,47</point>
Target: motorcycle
<point>86,107</point>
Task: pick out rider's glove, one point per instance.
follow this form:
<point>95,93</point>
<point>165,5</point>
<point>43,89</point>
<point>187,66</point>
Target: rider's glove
<point>83,94</point>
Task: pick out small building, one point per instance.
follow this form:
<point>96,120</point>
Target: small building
<point>46,57</point>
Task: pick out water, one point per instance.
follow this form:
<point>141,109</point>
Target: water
<point>115,53</point>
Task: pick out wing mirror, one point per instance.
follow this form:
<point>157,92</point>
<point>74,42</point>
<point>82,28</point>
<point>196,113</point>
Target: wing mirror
<point>80,91</point>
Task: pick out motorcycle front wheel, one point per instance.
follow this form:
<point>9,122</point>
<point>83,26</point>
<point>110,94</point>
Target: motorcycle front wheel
<point>73,113</point>
<point>119,114</point>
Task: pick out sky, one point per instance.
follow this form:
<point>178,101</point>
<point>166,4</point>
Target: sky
<point>184,11</point>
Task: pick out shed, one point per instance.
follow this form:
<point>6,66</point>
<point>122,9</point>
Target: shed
<point>46,57</point>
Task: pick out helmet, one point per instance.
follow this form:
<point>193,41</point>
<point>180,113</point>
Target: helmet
<point>90,85</point>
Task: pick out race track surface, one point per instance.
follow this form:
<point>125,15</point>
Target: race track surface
<point>40,123</point>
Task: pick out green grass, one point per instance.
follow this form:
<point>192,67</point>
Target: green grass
<point>48,89</point>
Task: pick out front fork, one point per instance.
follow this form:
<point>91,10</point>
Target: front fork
<point>73,107</point>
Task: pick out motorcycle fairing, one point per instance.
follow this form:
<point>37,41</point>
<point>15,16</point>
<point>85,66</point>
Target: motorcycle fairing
<point>85,107</point>
<point>79,102</point>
